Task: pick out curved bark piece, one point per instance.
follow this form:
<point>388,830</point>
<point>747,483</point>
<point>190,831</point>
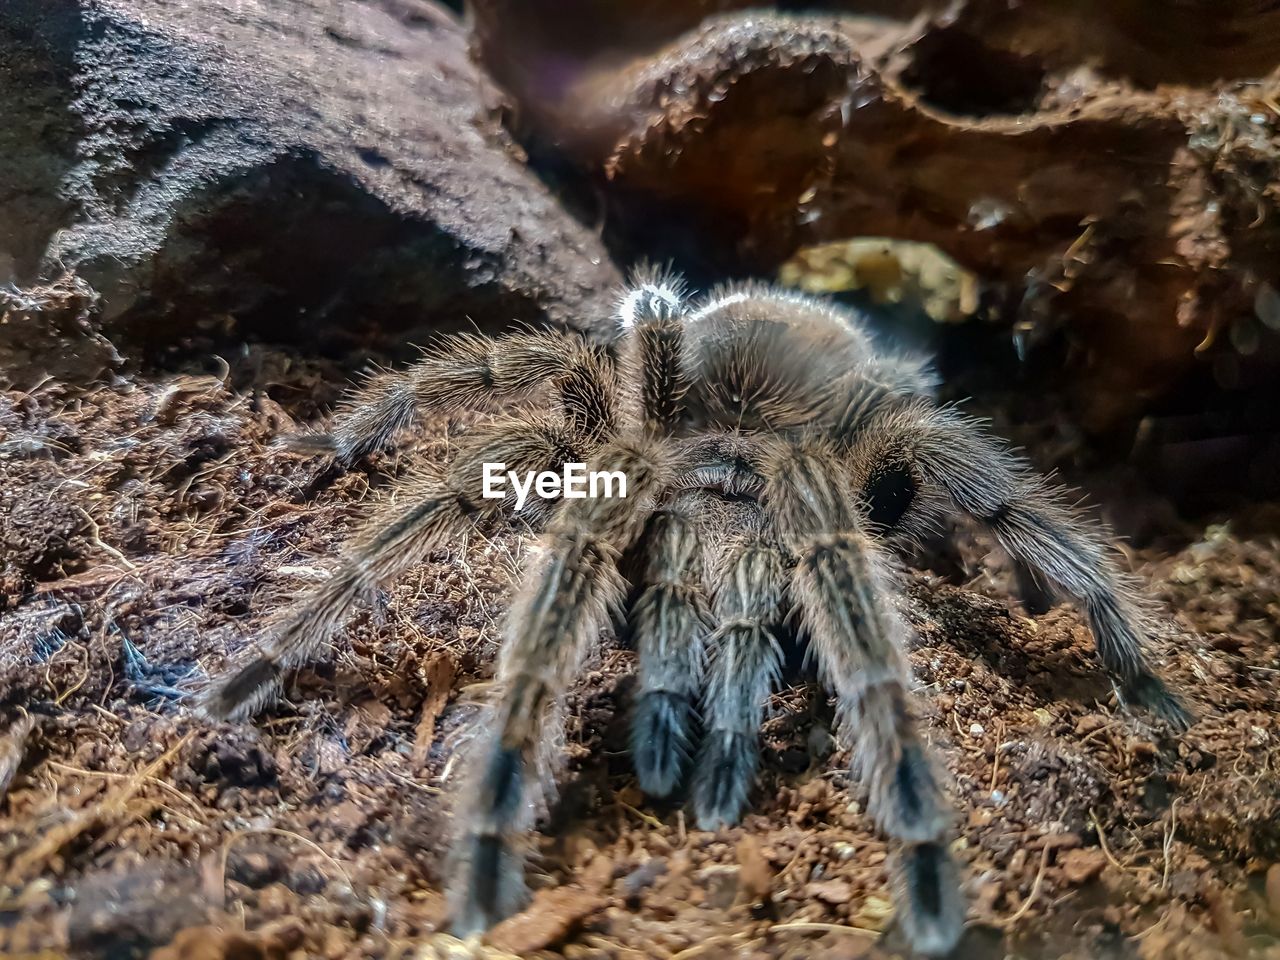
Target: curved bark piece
<point>1145,219</point>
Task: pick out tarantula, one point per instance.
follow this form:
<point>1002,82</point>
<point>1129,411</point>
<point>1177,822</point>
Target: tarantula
<point>771,453</point>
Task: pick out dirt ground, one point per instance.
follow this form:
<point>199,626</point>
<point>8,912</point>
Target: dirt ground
<point>149,528</point>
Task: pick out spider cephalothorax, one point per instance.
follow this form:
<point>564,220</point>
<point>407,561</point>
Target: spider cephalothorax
<point>771,451</point>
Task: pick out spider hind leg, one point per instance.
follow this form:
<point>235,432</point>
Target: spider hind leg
<point>843,588</point>
<point>468,371</point>
<point>1047,539</point>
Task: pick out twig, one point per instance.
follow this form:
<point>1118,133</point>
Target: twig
<point>98,542</point>
<point>795,926</point>
<point>698,948</point>
<point>439,678</point>
<point>107,775</point>
<point>647,819</point>
<point>1101,730</point>
<point>60,836</point>
<point>995,764</point>
<point>807,926</point>
<point>88,670</point>
<point>1035,889</point>
<point>1168,841</point>
<point>1102,842</point>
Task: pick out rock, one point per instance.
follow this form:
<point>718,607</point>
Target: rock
<point>1082,865</point>
<point>830,891</point>
<point>53,330</point>
<point>279,168</point>
<point>366,723</point>
<point>1089,723</point>
<point>211,943</point>
<point>234,758</point>
<point>643,877</point>
<point>1063,841</point>
<point>756,875</point>
<point>1184,884</point>
<point>721,884</point>
<point>551,917</point>
<point>123,913</point>
<point>253,868</point>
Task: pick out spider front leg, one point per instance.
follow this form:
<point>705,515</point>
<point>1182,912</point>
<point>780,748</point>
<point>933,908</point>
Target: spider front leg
<point>396,537</point>
<point>469,371</point>
<point>670,623</point>
<point>745,663</point>
<point>949,452</point>
<point>565,601</point>
<point>842,586</point>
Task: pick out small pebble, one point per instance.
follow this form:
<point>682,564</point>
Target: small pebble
<point>1089,723</point>
<point>831,891</point>
<point>1082,865</point>
<point>977,730</point>
<point>643,877</point>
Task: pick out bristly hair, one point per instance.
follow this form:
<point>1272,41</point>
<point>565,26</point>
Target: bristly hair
<point>653,290</point>
<point>773,453</point>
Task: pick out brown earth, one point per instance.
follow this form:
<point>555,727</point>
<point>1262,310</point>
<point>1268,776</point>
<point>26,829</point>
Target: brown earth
<point>148,529</point>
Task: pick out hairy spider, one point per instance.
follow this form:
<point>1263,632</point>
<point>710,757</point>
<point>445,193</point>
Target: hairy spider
<point>771,452</point>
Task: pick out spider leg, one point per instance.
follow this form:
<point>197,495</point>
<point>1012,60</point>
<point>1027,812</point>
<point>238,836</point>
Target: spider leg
<point>1034,594</point>
<point>842,587</point>
<point>565,601</point>
<point>1029,520</point>
<point>745,662</point>
<point>670,618</point>
<point>470,371</point>
<point>670,622</point>
<point>653,315</point>
<point>396,536</point>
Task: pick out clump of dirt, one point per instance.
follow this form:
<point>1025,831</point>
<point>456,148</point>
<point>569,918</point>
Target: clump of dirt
<point>149,542</point>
